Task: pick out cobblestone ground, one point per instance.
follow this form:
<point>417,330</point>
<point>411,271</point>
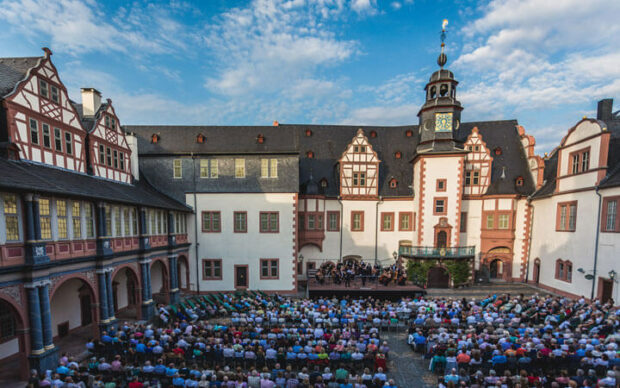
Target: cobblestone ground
<point>407,368</point>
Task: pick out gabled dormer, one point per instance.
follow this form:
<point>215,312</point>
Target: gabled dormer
<point>582,156</point>
<point>359,169</point>
<point>41,120</point>
<point>535,163</point>
<point>478,162</point>
<point>110,154</point>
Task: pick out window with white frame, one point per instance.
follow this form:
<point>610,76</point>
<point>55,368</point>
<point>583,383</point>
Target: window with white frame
<point>269,168</point>
<point>45,218</point>
<point>61,218</point>
<point>177,168</point>
<point>239,168</point>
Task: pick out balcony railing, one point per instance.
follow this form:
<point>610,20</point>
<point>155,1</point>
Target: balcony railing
<point>438,253</point>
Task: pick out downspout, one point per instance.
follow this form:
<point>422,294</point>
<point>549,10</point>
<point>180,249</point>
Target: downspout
<point>341,223</point>
<point>529,244</point>
<point>598,230</point>
<point>196,244</point>
<point>380,201</point>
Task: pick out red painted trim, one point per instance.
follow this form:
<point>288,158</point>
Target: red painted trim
<point>616,228</point>
<point>400,221</point>
<point>361,213</point>
<point>247,273</point>
<point>439,183</point>
<point>329,213</point>
<point>269,262</point>
<point>558,218</point>
<point>445,206</point>
<point>235,230</point>
<point>421,200</point>
<point>202,223</point>
<point>269,216</point>
<point>387,214</point>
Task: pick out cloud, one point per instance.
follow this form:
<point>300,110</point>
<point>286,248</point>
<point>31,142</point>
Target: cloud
<point>78,27</point>
<point>396,5</point>
<point>364,6</point>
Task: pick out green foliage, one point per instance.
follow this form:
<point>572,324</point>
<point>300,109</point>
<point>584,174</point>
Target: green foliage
<point>459,271</point>
<point>417,271</point>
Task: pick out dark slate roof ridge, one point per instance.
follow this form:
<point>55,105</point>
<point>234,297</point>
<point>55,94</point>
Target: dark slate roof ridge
<point>11,76</point>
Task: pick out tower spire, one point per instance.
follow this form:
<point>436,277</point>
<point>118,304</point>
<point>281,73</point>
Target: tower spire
<point>442,59</point>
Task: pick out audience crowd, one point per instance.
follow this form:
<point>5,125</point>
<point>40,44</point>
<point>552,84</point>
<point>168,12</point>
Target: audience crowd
<point>260,341</point>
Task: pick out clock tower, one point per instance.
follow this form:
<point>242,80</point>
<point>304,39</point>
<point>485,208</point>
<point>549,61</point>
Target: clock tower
<point>440,115</point>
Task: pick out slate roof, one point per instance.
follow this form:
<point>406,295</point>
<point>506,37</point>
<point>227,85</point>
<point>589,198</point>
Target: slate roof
<point>14,70</point>
<point>613,176</point>
<point>328,142</point>
<point>38,178</point>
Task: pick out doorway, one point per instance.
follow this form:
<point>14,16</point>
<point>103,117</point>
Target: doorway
<point>241,276</point>
<point>606,288</point>
<point>438,277</point>
<point>442,239</point>
<point>536,273</point>
<point>495,269</point>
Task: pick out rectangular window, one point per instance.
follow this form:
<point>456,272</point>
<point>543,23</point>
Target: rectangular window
<point>213,168</point>
<point>579,161</point>
<point>68,143</point>
<point>569,272</point>
<point>211,269</point>
<point>575,163</point>
<point>310,221</point>
<point>561,270</point>
<point>160,222</point>
<point>108,220</point>
<point>177,168</point>
<point>44,89</point>
<point>405,222</point>
<point>88,212</point>
<point>76,216</point>
<point>240,222</point>
<point>211,222</point>
<point>585,161</point>
<point>239,168</point>
<point>134,219</point>
<point>108,156</point>
<point>440,206</point>
<point>566,220</point>
<point>503,221</point>
<point>269,269</point>
<point>269,168</point>
<point>11,219</point>
<point>269,222</point>
<point>476,178</point>
<point>273,168</point>
<point>46,136</point>
<point>115,159</point>
<point>359,179</point>
<point>610,214</point>
<point>126,222</point>
<point>122,161</point>
<point>387,222</point>
<point>61,216</point>
<point>264,168</point>
<point>153,219</point>
<point>463,227</point>
<point>204,168</point>
<point>441,185</point>
<point>302,222</point>
<point>333,221</point>
<point>57,140</point>
<point>101,154</point>
<point>490,221</point>
<point>118,225</point>
<point>54,94</point>
<point>107,121</point>
<point>357,221</point>
<point>34,131</point>
<point>45,219</point>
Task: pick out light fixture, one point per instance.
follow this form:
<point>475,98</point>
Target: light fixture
<point>394,255</point>
<point>580,270</point>
<point>301,258</point>
<point>612,274</point>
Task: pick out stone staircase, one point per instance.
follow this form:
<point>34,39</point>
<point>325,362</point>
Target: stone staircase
<point>481,291</point>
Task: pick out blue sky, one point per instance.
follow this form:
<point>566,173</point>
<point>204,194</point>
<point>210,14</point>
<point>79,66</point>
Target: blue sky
<point>545,63</point>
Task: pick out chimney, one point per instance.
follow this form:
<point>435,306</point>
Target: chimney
<point>91,101</point>
<point>604,109</point>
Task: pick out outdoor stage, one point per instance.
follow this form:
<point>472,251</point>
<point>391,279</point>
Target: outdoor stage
<point>374,289</point>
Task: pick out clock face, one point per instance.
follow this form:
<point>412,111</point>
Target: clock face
<point>443,122</point>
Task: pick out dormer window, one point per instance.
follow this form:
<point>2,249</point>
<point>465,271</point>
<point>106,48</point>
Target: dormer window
<point>200,138</point>
<point>409,133</point>
<point>54,95</point>
<point>44,89</point>
<point>358,149</point>
<point>308,133</point>
<point>373,134</point>
<point>324,183</point>
<point>154,138</point>
<point>398,155</point>
<point>497,151</point>
<point>309,154</point>
<point>519,181</point>
<point>393,183</point>
<point>260,139</point>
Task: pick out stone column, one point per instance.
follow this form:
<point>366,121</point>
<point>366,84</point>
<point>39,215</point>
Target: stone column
<point>147,299</point>
<point>174,279</point>
<point>35,249</point>
<point>103,298</point>
<point>46,316</point>
<point>34,314</point>
<point>110,295</point>
<point>104,247</point>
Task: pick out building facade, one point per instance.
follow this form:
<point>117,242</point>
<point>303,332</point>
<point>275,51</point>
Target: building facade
<point>84,240</point>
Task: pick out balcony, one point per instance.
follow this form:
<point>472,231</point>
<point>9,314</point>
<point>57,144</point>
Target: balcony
<point>467,252</point>
<point>311,237</point>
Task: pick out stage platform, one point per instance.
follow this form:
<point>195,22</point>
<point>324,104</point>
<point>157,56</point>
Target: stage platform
<point>374,289</point>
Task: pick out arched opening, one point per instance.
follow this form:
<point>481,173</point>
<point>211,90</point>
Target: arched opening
<point>159,282</point>
<point>443,90</point>
<point>442,239</point>
<point>352,258</point>
<point>12,352</point>
<point>438,277</point>
<point>72,309</point>
<point>433,92</point>
<point>496,268</point>
<point>183,273</point>
<point>536,274</point>
<point>125,292</point>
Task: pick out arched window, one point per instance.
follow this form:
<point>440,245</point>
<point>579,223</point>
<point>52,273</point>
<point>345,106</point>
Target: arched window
<point>393,183</point>
<point>443,90</point>
<point>154,138</point>
<point>373,134</point>
<point>433,93</point>
<point>324,183</point>
<point>260,139</point>
<point>559,269</point>
<point>200,138</point>
<point>308,133</point>
<point>519,181</point>
<point>398,154</point>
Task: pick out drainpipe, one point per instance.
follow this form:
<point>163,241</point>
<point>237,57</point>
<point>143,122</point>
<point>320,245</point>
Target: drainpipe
<point>196,243</point>
<point>380,201</point>
<point>341,223</point>
<point>598,229</point>
<point>529,244</point>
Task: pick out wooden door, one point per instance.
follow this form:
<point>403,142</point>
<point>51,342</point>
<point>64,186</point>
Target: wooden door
<point>442,239</point>
<point>607,287</point>
<point>86,310</point>
<point>438,278</point>
<point>241,276</point>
